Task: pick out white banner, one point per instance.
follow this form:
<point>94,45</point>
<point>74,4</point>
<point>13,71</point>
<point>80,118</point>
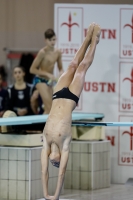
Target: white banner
<point>108,86</point>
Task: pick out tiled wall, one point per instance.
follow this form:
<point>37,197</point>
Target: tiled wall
<point>14,174</point>
<point>88,166</point>
<point>21,169</point>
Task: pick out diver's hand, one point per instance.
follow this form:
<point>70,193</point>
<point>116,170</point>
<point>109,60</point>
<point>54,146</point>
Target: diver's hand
<point>52,77</point>
<point>48,197</point>
<point>54,198</point>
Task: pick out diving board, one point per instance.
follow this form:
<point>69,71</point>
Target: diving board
<point>34,119</point>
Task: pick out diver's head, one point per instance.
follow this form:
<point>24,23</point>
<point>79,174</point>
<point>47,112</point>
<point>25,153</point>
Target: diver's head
<point>55,155</point>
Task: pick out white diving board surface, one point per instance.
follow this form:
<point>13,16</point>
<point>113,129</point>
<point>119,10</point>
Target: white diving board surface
<point>34,119</point>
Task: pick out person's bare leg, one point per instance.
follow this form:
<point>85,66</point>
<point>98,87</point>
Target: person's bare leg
<point>46,95</point>
<point>77,84</point>
<point>87,41</point>
<point>34,101</point>
<point>67,77</point>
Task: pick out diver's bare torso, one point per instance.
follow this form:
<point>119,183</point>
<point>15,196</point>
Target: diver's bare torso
<point>58,126</point>
<point>49,58</point>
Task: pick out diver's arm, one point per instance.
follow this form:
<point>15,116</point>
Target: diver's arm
<point>45,175</point>
<point>62,170</point>
<point>44,162</point>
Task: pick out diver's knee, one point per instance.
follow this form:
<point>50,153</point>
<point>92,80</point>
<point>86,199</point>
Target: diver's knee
<point>73,65</point>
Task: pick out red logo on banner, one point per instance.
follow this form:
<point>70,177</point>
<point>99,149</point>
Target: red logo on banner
<point>126,87</point>
<point>69,21</point>
<point>70,25</point>
<point>112,139</point>
<point>130,26</point>
<point>131,137</point>
<point>126,33</point>
<point>131,80</point>
<point>125,142</point>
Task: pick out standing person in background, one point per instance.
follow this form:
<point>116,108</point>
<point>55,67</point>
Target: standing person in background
<point>3,94</point>
<point>43,67</point>
<point>20,93</point>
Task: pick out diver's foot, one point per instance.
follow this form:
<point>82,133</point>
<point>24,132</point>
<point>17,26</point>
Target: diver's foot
<point>90,31</point>
<point>96,33</point>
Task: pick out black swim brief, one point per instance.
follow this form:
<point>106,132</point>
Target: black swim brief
<point>65,93</point>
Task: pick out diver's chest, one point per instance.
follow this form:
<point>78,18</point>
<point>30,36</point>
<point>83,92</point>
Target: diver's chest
<point>57,127</point>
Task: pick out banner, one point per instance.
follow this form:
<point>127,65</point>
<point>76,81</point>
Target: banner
<point>108,86</point>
